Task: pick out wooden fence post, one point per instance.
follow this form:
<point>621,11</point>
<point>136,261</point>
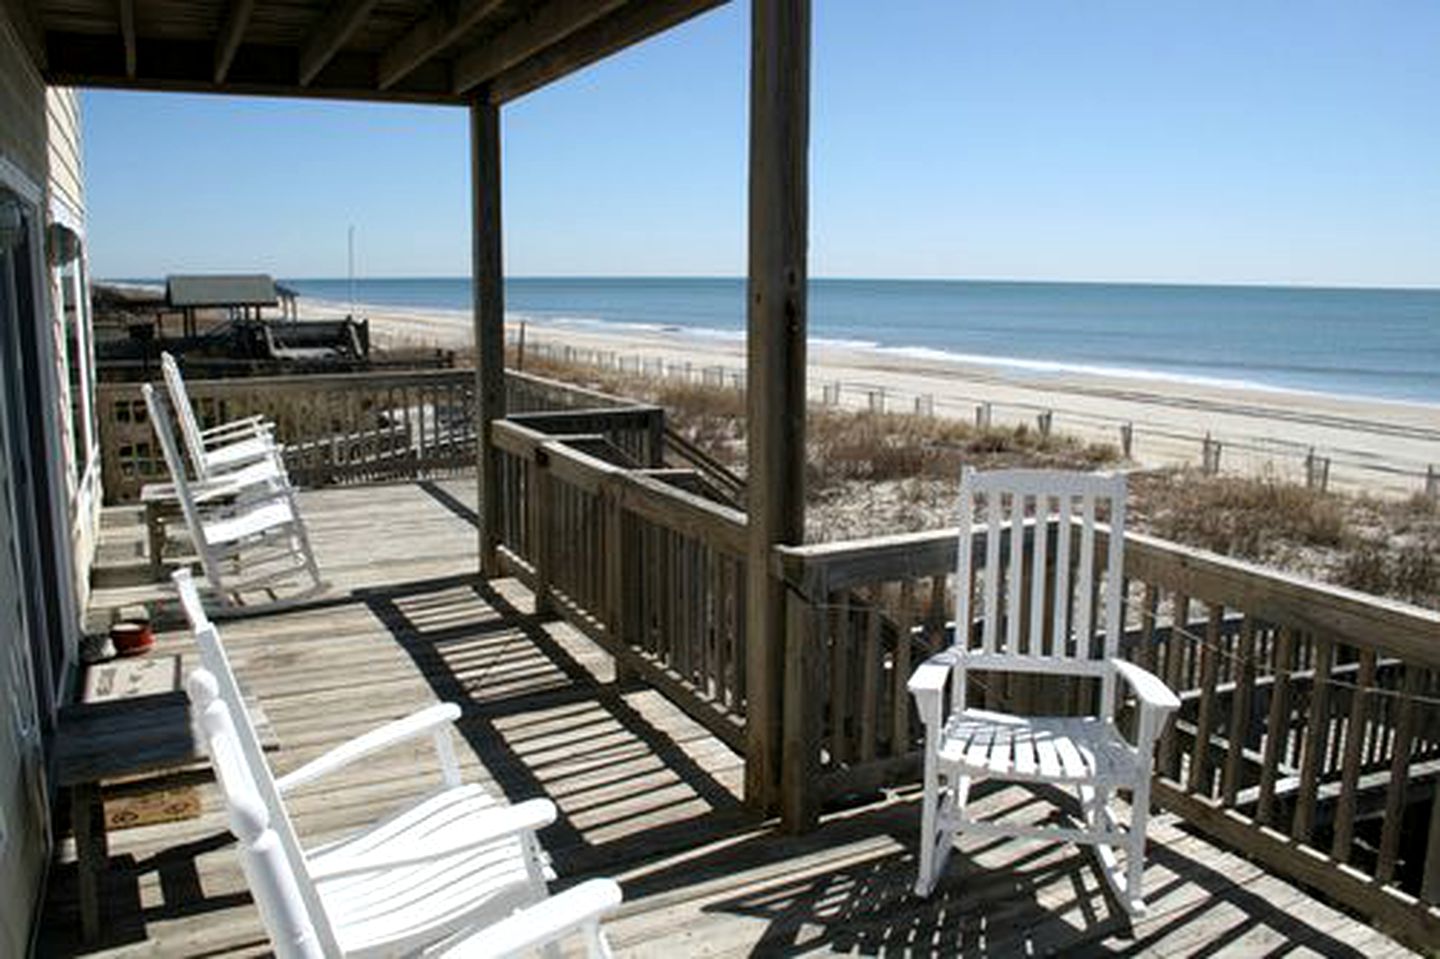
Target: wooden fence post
<point>1127,440</point>
<point>1044,421</point>
<point>1317,471</point>
<point>1432,482</point>
<point>983,416</point>
<point>1210,456</point>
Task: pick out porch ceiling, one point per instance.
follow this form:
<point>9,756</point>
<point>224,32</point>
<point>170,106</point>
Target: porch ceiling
<point>427,51</point>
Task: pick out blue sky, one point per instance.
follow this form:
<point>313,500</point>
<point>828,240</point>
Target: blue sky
<point>1180,141</point>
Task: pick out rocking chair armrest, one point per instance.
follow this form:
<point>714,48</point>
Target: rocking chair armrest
<point>1156,700</point>
<point>1149,689</point>
<point>498,823</point>
<point>249,426</point>
<point>538,925</point>
<point>927,684</point>
<point>433,720</point>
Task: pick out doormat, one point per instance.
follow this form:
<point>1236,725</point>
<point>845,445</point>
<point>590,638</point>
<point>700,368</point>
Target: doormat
<point>161,804</point>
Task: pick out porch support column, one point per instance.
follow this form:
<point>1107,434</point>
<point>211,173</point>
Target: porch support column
<point>775,370</point>
<point>487,276</point>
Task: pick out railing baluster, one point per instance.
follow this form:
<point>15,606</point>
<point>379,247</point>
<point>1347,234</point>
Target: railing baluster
<point>1354,744</point>
<point>900,719</point>
<point>870,681</point>
<point>1204,720</point>
<point>1277,726</point>
<point>1317,729</point>
<point>839,675</point>
<point>1430,881</point>
<point>1399,776</point>
<point>1174,663</point>
<point>1240,712</point>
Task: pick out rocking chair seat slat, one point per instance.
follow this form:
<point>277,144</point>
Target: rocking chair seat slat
<point>261,519</point>
<point>434,894</point>
<point>1077,750</point>
<point>239,454</point>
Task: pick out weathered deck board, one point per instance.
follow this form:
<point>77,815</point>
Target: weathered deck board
<point>645,794</point>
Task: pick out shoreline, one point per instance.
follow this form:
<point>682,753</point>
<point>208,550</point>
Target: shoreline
<point>1373,444</point>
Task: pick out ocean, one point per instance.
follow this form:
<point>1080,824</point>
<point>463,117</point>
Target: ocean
<point>1361,342</point>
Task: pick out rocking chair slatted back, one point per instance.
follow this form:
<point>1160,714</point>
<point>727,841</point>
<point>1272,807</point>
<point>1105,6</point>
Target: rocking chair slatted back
<point>269,868</point>
<point>215,661</point>
<point>164,431</point>
<point>185,414</point>
<point>1069,620</point>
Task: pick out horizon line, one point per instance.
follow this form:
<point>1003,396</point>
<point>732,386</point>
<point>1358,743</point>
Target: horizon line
<point>1222,284</point>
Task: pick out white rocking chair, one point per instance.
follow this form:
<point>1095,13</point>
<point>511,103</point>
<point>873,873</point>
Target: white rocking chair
<point>262,530</point>
<point>1049,627</point>
<point>223,447</point>
<point>454,861</point>
<point>432,881</point>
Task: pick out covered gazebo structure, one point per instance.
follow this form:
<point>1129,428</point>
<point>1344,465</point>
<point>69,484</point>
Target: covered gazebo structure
<point>480,55</point>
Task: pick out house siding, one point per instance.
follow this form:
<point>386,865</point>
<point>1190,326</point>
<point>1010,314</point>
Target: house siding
<point>41,170</point>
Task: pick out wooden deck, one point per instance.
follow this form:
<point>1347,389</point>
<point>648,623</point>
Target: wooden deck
<point>645,794</point>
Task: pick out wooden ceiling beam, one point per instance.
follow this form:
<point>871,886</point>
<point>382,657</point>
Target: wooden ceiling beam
<point>237,18</point>
<point>342,20</point>
<point>127,35</point>
<point>629,25</point>
<point>545,25</point>
<point>258,69</point>
<point>445,24</point>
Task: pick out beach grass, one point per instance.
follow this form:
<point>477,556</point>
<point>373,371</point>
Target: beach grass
<point>870,474</point>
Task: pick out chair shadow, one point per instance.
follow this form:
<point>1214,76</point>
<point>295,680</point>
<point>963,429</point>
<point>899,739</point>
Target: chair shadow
<point>1033,903</point>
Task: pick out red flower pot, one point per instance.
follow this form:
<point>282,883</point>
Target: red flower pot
<point>131,638</point>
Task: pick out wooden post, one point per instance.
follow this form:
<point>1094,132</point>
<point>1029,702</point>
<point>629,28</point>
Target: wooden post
<point>1432,482</point>
<point>800,800</point>
<point>1127,439</point>
<point>1210,456</point>
<point>1043,422</point>
<point>775,369</point>
<point>487,275</point>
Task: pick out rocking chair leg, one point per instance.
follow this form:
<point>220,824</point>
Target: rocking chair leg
<point>926,874</point>
<point>1135,859</point>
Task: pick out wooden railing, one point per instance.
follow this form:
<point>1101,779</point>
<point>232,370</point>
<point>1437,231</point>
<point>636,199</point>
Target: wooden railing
<point>1309,735</point>
<point>650,570</point>
<point>348,427</point>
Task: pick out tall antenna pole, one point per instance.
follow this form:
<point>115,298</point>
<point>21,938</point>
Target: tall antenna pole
<point>352,268</point>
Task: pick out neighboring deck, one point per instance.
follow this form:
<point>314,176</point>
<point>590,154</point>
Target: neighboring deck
<point>645,794</point>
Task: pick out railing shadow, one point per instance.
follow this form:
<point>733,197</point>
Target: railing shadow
<point>545,724</point>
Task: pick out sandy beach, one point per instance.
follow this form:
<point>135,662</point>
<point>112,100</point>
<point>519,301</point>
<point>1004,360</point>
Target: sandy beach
<point>1373,445</point>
